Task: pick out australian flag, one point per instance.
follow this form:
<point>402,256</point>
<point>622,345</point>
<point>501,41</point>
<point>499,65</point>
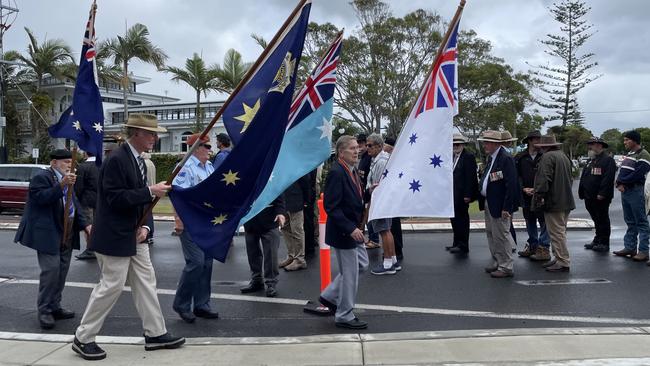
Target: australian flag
<point>211,211</point>
<point>83,121</point>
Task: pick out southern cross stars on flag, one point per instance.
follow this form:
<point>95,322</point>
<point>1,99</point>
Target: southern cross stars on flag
<point>418,178</point>
<point>83,121</point>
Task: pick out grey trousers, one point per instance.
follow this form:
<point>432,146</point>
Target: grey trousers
<point>343,289</point>
<point>294,235</point>
<point>265,256</point>
<point>500,241</point>
<point>54,270</point>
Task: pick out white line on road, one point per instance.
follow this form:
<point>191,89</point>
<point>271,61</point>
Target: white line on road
<point>572,281</point>
<point>397,309</point>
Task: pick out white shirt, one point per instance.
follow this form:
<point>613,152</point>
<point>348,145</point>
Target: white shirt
<point>487,178</point>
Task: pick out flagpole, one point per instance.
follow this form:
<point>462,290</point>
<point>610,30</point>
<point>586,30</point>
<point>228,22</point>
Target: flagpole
<point>244,81</point>
<point>68,198</point>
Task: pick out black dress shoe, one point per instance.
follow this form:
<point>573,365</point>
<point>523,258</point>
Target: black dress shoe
<point>166,340</point>
<point>459,250</point>
<point>86,255</point>
<point>88,351</point>
<point>187,316</point>
<point>271,291</point>
<point>46,320</point>
<point>590,246</point>
<point>252,287</point>
<point>600,248</point>
<point>330,305</point>
<point>352,324</point>
<point>448,247</point>
<point>62,314</point>
<point>207,314</point>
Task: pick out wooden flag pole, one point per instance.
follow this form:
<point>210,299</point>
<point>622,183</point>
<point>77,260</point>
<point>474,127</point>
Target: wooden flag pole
<point>249,74</point>
<point>68,200</point>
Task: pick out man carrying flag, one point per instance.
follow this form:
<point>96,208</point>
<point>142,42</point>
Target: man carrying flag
<point>418,178</point>
<point>257,115</point>
<point>83,121</point>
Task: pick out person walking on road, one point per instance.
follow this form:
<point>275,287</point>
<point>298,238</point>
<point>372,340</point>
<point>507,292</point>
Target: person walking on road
<point>596,188</point>
<point>42,229</point>
<point>465,191</point>
<point>499,199</point>
<point>630,181</point>
<point>554,197</point>
<point>85,188</point>
<point>120,244</point>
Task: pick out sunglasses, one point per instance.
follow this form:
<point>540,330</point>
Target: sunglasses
<point>207,146</point>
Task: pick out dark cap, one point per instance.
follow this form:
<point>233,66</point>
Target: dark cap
<point>60,154</point>
<point>223,138</point>
<point>362,137</point>
<point>633,135</point>
<point>531,135</point>
<point>389,141</point>
<point>597,140</point>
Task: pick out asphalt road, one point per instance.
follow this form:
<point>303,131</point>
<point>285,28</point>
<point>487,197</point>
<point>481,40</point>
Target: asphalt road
<point>435,291</point>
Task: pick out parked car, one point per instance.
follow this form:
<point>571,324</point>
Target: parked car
<point>619,160</point>
<point>14,184</point>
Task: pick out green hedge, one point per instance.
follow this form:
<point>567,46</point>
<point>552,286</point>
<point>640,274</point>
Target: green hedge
<point>165,164</point>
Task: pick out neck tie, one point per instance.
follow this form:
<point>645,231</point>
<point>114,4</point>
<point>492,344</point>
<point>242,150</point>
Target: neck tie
<point>143,169</point>
<point>487,169</point>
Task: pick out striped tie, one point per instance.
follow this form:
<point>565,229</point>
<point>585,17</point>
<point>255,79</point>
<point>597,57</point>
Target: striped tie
<point>143,169</point>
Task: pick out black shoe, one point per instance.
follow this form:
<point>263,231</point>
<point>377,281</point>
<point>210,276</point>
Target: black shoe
<point>590,246</point>
<point>600,248</point>
<point>449,247</point>
<point>88,351</point>
<point>187,316</point>
<point>252,287</point>
<point>330,305</point>
<point>166,340</point>
<point>207,314</point>
<point>62,314</point>
<point>86,255</point>
<point>459,250</point>
<point>46,320</point>
<point>352,324</point>
<point>271,291</point>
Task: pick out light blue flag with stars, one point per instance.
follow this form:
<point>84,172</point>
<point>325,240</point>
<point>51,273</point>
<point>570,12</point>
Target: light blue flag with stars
<point>308,142</point>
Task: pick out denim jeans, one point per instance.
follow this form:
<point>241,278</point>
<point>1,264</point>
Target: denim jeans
<point>194,285</point>
<point>536,238</point>
<point>635,218</point>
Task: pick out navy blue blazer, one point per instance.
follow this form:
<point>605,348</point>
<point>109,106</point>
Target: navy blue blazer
<point>344,206</point>
<point>122,196</point>
<point>41,227</point>
<point>503,186</point>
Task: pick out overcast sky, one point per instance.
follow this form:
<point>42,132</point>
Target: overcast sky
<point>210,27</point>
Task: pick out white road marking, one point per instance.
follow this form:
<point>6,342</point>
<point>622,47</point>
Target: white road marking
<point>572,281</point>
<point>397,309</point>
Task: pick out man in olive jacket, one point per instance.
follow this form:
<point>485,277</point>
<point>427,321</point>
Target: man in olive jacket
<point>597,189</point>
<point>41,228</point>
<point>554,197</point>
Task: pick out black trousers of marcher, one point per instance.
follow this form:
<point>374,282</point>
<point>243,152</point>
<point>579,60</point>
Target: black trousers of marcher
<point>599,212</point>
<point>396,230</point>
<point>460,225</point>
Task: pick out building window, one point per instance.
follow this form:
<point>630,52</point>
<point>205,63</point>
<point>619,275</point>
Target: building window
<point>184,138</point>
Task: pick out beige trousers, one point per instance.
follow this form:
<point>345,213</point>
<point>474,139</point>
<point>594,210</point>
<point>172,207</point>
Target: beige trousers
<point>138,272</point>
<point>500,241</point>
<point>556,223</point>
<point>294,235</point>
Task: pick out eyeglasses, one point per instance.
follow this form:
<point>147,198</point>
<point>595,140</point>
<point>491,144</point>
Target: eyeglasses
<point>207,146</point>
<point>370,145</point>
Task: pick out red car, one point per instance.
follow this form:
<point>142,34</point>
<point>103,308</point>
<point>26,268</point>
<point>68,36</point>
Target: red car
<point>14,184</point>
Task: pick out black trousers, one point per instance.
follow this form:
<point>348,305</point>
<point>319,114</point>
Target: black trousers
<point>599,212</point>
<point>460,225</point>
<point>396,230</point>
<point>311,241</point>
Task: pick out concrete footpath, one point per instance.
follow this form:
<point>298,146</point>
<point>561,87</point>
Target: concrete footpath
<point>546,346</point>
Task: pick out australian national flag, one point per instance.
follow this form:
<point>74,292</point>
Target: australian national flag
<point>83,121</point>
<point>211,211</point>
<point>418,180</point>
<point>308,142</point>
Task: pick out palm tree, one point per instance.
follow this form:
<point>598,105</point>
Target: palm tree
<point>201,78</point>
<point>134,44</point>
<point>232,72</point>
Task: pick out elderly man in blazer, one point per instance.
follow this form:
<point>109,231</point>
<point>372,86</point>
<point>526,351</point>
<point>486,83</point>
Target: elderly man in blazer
<point>42,228</point>
<point>120,244</point>
<point>343,203</point>
<point>465,191</point>
<point>499,198</point>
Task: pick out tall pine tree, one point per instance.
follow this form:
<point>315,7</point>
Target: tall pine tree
<point>561,82</point>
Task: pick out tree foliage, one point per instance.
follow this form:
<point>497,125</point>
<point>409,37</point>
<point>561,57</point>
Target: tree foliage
<point>614,138</point>
<point>561,82</point>
<point>573,138</point>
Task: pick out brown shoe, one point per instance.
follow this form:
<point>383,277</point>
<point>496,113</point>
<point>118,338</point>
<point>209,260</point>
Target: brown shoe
<point>641,257</point>
<point>541,254</point>
<point>296,265</point>
<point>501,274</point>
<point>286,262</point>
<point>557,267</point>
<point>625,252</point>
<point>527,252</point>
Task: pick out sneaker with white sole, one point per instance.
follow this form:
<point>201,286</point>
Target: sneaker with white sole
<point>380,270</point>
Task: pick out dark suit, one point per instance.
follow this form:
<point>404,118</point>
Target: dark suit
<point>597,179</point>
<point>122,198</point>
<point>344,207</point>
<point>41,228</point>
<point>262,242</point>
<point>86,184</point>
<point>465,186</point>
